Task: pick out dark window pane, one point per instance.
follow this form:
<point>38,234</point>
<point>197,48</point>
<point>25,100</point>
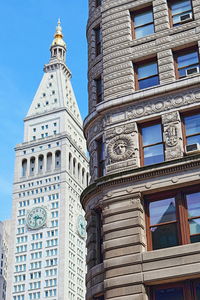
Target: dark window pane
<point>181,6</point>
<point>192,124</point>
<point>145,83</point>
<point>151,135</point>
<point>194,226</point>
<point>153,154</point>
<point>193,140</point>
<point>195,239</point>
<point>144,31</point>
<point>162,211</point>
<point>143,18</point>
<point>187,59</point>
<point>147,70</point>
<point>193,204</point>
<point>164,236</point>
<point>175,293</point>
<point>197,291</point>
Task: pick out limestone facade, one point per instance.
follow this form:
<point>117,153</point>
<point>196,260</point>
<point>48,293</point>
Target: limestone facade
<point>115,204</point>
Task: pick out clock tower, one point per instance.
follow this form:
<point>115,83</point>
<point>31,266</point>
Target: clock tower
<point>51,171</point>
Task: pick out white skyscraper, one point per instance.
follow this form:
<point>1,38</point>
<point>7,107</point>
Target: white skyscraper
<point>51,171</point>
<point>4,256</point>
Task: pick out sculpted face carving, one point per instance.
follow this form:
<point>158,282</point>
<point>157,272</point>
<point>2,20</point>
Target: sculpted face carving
<point>120,148</point>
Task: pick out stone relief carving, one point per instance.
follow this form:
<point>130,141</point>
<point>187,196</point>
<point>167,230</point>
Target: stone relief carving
<point>93,161</point>
<point>171,135</point>
<point>121,148</point>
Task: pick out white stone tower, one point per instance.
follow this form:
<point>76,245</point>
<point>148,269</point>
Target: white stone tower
<point>51,170</point>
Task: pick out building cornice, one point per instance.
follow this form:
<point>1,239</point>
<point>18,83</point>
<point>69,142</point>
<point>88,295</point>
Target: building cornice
<point>139,174</point>
<point>46,140</point>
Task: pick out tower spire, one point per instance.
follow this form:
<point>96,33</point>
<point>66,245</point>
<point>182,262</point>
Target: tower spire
<point>58,46</point>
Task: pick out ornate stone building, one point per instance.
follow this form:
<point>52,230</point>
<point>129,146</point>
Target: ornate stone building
<point>143,135</point>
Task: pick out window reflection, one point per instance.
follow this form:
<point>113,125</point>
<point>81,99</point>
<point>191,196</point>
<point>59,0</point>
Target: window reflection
<point>192,129</point>
<point>163,215</point>
<point>187,60</point>
<point>143,23</point>
<point>148,75</point>
<point>152,144</point>
<point>179,9</point>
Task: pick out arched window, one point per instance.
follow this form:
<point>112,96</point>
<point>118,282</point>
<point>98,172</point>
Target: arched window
<point>83,176</point>
<point>87,179</point>
<point>24,167</point>
<point>58,159</point>
<point>32,165</point>
<point>74,166</point>
<point>79,170</point>
<point>49,161</point>
<point>40,163</point>
<point>70,161</point>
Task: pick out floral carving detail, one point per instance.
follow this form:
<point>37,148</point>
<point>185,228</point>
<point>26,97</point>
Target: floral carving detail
<point>121,148</point>
<point>171,136</point>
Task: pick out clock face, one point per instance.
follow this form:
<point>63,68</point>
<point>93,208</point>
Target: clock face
<point>36,218</point>
<point>81,226</point>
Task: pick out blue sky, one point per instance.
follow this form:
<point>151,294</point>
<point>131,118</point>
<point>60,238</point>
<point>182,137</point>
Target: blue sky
<point>26,32</point>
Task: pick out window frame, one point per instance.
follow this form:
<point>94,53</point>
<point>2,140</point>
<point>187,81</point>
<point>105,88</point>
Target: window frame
<point>183,51</point>
<point>183,115</point>
<point>188,286</point>
<point>141,147</point>
<point>140,63</point>
<point>183,229</point>
<point>169,2</point>
<point>136,12</point>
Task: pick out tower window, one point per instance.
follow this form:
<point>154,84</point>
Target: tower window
<point>142,23</point>
<point>44,94</point>
<point>47,102</point>
<point>34,129</point>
